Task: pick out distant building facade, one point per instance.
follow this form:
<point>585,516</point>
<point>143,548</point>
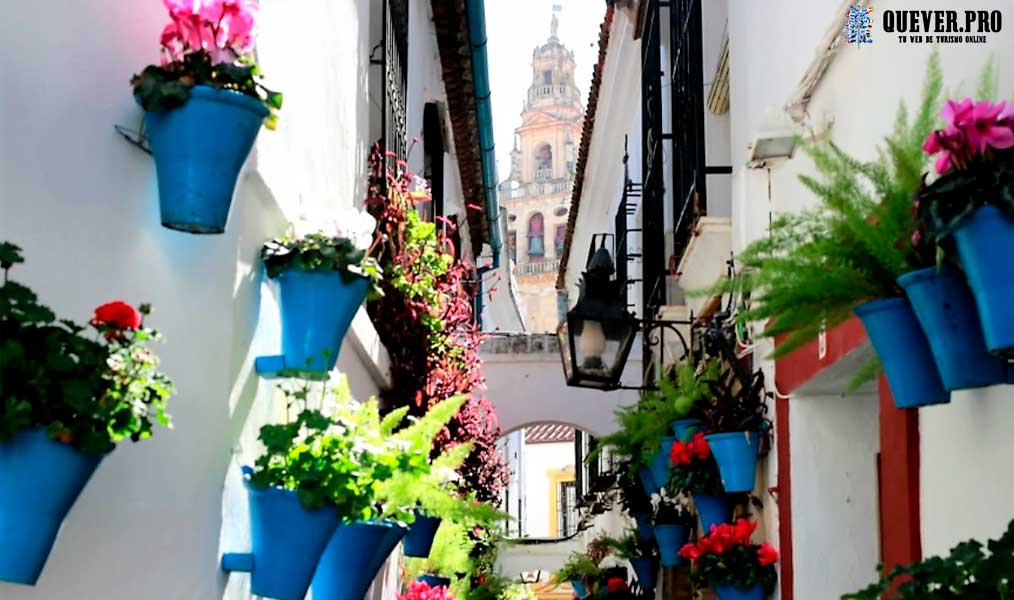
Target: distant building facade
<point>537,191</point>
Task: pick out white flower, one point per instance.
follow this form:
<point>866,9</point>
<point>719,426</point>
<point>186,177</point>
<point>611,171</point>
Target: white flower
<point>356,226</point>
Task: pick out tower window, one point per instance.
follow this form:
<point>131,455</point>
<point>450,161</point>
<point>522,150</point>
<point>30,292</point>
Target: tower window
<point>547,78</point>
<point>536,236</point>
<point>559,238</point>
<point>544,162</point>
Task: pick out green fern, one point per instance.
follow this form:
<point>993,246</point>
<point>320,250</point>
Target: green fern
<point>819,264</point>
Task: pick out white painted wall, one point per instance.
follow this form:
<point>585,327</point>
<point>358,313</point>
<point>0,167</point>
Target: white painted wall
<point>539,459</point>
<point>82,203</point>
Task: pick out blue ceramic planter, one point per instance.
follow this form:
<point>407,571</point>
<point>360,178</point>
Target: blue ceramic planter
<point>434,580</point>
<point>713,510</point>
<point>660,464</point>
<point>645,570</point>
<point>199,149</point>
<point>39,481</point>
<point>644,529</point>
<point>736,455</point>
<point>648,481</point>
<point>904,352</point>
<point>419,538</point>
<point>944,305</point>
<point>579,588</point>
<point>670,539</point>
<point>985,243</point>
<point>288,541</point>
<point>730,592</point>
<point>352,559</point>
<point>684,429</point>
<point>317,309</point>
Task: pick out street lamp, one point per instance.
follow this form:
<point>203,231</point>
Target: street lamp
<point>597,334</point>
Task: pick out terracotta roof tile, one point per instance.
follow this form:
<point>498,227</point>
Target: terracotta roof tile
<point>549,433</point>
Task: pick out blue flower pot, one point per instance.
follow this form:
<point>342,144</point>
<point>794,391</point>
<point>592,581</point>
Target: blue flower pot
<point>353,557</point>
<point>644,529</point>
<point>419,538</point>
<point>39,481</point>
<point>317,309</point>
<point>645,570</point>
<point>199,149</point>
<point>660,464</point>
<point>731,592</point>
<point>713,510</point>
<point>670,539</point>
<point>736,455</point>
<point>904,352</point>
<point>579,588</point>
<point>944,305</point>
<point>288,542</point>
<point>985,243</point>
<point>684,429</point>
<point>434,580</point>
<point>648,481</point>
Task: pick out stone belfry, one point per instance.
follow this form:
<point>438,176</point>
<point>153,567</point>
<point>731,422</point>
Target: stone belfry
<point>537,191</point>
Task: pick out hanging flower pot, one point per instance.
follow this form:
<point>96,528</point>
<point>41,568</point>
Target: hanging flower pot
<point>39,481</point>
<point>661,463</point>
<point>985,241</point>
<point>682,429</point>
<point>731,592</point>
<point>353,557</point>
<point>648,481</point>
<point>713,509</point>
<point>579,588</point>
<point>434,580</point>
<point>736,454</point>
<point>944,305</point>
<point>645,570</point>
<point>904,352</point>
<point>644,528</point>
<point>419,539</point>
<point>317,309</point>
<point>199,149</point>
<point>670,539</point>
<point>288,541</point>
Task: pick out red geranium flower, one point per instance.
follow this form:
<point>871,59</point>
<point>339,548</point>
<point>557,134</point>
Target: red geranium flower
<point>615,584</point>
<point>117,315</point>
<point>766,555</point>
<point>743,529</point>
<point>680,453</point>
<point>690,552</point>
<point>699,446</point>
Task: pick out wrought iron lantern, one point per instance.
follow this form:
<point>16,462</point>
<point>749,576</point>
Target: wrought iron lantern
<point>597,334</point>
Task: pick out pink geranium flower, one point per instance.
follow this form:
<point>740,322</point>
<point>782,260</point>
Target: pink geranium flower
<point>972,129</point>
<point>225,28</point>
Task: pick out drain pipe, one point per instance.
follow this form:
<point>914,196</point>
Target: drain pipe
<point>475,15</point>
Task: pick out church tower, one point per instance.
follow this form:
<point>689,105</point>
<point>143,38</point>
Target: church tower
<point>537,192</point>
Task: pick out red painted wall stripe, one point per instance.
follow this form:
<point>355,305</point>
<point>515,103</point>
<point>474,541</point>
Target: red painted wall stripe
<point>799,367</point>
<point>900,535</point>
<point>784,451</point>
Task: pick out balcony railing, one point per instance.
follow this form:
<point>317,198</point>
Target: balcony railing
<point>544,266</point>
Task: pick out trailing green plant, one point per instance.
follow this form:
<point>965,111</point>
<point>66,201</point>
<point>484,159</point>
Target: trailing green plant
<point>670,510</point>
<point>630,545</point>
<point>352,458</point>
<point>971,571</point>
<point>578,567</point>
<point>89,392</point>
<point>816,265</point>
<point>345,251</point>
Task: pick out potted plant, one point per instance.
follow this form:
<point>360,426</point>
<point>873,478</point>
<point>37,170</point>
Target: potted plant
<point>969,207</point>
<point>970,570</point>
<point>731,565</point>
<point>579,570</point>
<point>323,278</point>
<point>68,398</point>
<point>696,473</point>
<point>737,426</point>
<point>843,256</point>
<point>642,555</point>
<point>203,107</point>
<point>673,524</point>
